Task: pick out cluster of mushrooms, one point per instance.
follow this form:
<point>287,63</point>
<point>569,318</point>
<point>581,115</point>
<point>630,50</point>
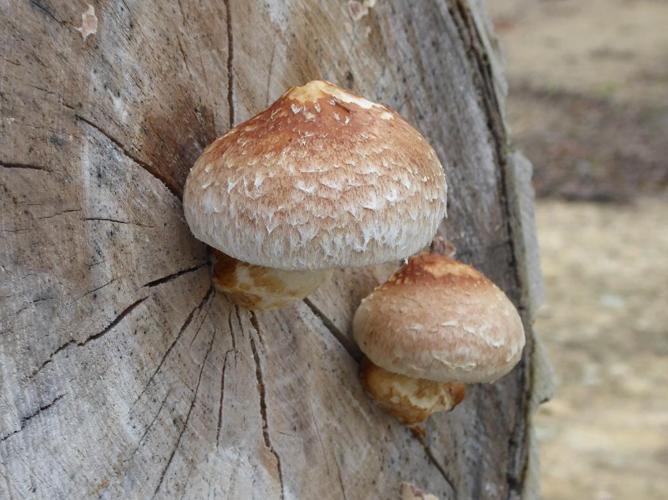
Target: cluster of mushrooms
<point>325,179</point>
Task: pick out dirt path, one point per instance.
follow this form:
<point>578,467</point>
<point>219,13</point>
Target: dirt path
<point>605,326</point>
<point>589,105</point>
<point>588,93</point>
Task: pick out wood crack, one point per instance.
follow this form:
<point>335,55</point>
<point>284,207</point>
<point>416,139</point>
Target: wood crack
<point>183,328</point>
<point>32,303</point>
<point>229,323</point>
<point>125,312</point>
<point>269,73</point>
<point>341,484</point>
<point>69,211</point>
<point>348,344</point>
<point>436,463</point>
<point>149,426</point>
<point>256,325</point>
<point>180,44</point>
<point>25,420</point>
<point>46,12</point>
<point>96,289</point>
<point>199,327</point>
<point>95,336</point>
<point>263,403</point>
<point>175,275</point>
<point>170,183</point>
<point>230,63</point>
<point>24,166</point>
<point>116,221</point>
<point>222,396</point>
<point>185,424</point>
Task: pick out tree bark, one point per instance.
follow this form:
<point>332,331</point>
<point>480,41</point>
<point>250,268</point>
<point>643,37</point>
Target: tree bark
<point>122,373</point>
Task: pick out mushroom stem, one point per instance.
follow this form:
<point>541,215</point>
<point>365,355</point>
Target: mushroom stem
<point>258,287</point>
<point>410,400</point>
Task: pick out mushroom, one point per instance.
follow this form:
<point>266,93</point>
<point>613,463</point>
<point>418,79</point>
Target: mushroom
<point>322,179</point>
<point>433,326</point>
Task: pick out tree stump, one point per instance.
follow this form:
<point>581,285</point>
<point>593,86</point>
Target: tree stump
<point>122,373</point>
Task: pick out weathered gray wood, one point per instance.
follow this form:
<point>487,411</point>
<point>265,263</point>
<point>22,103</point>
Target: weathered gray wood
<point>122,374</point>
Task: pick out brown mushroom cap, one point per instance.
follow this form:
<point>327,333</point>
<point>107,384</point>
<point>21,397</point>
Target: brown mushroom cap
<point>439,319</point>
<point>321,179</point>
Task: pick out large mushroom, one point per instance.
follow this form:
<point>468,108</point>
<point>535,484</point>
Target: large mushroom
<point>321,179</point>
<point>434,326</point>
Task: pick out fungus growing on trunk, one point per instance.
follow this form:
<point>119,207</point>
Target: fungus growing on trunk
<point>322,179</point>
<point>434,326</point>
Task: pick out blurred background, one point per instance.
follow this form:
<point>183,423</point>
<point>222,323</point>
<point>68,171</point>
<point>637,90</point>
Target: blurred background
<point>588,105</point>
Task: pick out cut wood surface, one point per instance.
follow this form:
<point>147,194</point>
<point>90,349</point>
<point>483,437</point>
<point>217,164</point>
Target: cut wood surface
<point>123,374</point>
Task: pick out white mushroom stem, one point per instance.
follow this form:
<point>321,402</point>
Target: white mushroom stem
<point>258,287</point>
<point>410,400</point>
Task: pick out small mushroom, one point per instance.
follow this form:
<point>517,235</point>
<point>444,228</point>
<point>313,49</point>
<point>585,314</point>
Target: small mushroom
<point>322,179</point>
<point>434,326</point>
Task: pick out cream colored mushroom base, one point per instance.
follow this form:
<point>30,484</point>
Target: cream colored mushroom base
<point>257,287</point>
<point>434,326</point>
<point>410,400</point>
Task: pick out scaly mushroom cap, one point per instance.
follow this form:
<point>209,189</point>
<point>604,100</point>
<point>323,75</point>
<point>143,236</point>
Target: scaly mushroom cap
<point>439,319</point>
<point>321,179</point>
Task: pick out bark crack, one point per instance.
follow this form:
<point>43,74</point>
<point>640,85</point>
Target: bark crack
<point>175,275</point>
<point>26,419</point>
<point>170,183</point>
<point>259,377</point>
<point>125,312</point>
<point>185,424</point>
<point>183,328</point>
<point>348,344</point>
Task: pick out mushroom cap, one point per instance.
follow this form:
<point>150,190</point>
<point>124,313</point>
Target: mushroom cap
<point>321,179</point>
<point>439,319</point>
